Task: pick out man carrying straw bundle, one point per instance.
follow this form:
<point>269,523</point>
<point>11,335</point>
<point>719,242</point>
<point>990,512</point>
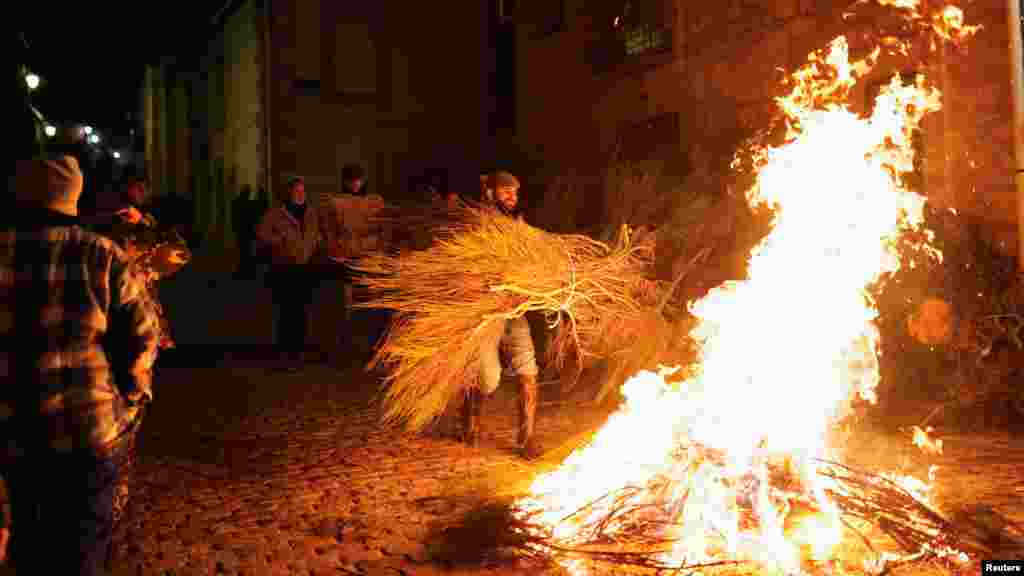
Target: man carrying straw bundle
<point>502,194</point>
<point>460,306</point>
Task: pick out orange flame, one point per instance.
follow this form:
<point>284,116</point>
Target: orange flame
<point>925,442</point>
<point>783,353</point>
<point>911,5</point>
<point>948,23</point>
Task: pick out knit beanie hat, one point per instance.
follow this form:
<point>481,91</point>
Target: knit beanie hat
<point>53,184</point>
<point>351,172</point>
<point>501,179</point>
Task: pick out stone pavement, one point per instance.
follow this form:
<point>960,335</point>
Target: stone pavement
<point>245,471</point>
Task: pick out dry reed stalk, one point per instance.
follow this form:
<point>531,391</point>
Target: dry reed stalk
<point>482,269</point>
<point>648,339</point>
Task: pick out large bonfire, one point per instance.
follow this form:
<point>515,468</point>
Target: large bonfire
<point>711,469</point>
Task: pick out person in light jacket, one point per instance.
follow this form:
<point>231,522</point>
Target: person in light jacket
<point>289,235</point>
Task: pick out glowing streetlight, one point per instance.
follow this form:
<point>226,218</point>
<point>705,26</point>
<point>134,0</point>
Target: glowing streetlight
<point>87,129</point>
<point>94,138</point>
<point>32,80</point>
<point>50,130</point>
<point>117,155</point>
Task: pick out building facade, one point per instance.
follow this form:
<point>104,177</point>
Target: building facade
<point>304,87</point>
<point>688,81</point>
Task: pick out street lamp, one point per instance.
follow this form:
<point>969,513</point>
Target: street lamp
<point>87,129</point>
<point>117,155</point>
<point>50,130</point>
<point>32,80</point>
<point>94,138</point>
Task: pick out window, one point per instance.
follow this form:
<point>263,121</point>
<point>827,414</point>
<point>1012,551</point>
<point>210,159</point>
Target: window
<point>642,31</point>
<point>304,87</point>
<point>629,30</point>
<point>306,58</point>
<point>355,58</point>
<point>655,137</point>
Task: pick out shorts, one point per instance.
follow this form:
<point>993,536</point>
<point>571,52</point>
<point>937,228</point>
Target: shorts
<point>513,343</point>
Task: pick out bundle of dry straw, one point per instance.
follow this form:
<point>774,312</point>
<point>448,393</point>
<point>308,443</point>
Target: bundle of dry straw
<point>482,269</point>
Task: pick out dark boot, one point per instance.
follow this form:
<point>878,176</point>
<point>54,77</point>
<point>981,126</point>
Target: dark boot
<point>471,417</point>
<point>445,426</point>
<point>528,446</point>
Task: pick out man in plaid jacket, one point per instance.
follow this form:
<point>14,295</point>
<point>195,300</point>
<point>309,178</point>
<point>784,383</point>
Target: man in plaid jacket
<point>79,340</point>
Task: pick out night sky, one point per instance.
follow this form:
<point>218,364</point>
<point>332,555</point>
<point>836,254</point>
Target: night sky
<point>91,56</point>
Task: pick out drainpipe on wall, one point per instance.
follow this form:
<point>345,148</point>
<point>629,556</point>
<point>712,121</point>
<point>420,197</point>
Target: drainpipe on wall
<point>1017,95</point>
<point>268,178</point>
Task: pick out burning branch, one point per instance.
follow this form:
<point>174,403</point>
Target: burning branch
<point>892,508</point>
<point>629,530</point>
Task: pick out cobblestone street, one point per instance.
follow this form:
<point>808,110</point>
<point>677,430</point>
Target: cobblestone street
<point>246,471</point>
<point>243,470</point>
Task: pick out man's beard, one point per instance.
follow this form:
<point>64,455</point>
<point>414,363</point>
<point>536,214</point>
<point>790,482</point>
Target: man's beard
<point>513,211</point>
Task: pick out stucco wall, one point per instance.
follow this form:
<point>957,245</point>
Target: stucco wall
<point>389,85</point>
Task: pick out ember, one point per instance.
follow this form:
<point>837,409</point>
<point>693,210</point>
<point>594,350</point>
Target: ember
<point>734,464</point>
<point>925,442</point>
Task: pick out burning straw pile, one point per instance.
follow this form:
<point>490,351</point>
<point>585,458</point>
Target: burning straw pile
<point>483,268</point>
<point>637,529</point>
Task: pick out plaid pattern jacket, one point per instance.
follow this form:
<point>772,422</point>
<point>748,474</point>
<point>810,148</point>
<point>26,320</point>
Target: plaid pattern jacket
<point>79,337</point>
